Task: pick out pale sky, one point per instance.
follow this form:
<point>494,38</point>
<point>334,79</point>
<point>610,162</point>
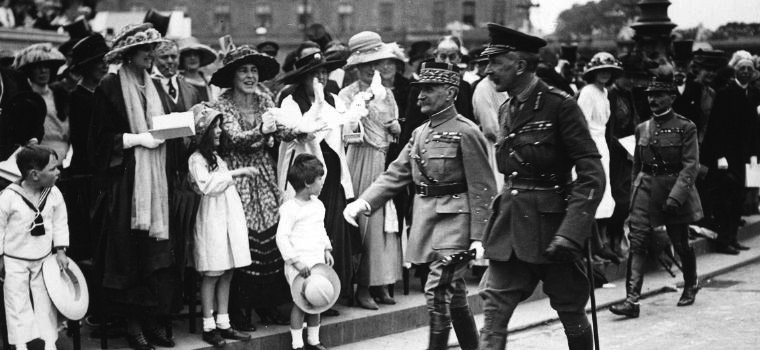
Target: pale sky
<point>685,13</point>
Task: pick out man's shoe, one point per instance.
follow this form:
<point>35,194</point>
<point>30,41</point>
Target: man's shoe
<point>214,338</point>
<point>626,308</point>
<point>315,347</point>
<point>688,296</point>
<point>727,249</point>
<point>739,246</point>
<point>158,337</point>
<point>232,334</point>
<point>138,342</point>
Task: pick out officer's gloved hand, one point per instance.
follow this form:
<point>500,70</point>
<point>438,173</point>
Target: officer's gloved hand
<point>671,206</point>
<point>355,208</point>
<point>563,249</point>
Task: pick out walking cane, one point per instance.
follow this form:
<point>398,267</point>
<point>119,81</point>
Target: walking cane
<point>590,270</point>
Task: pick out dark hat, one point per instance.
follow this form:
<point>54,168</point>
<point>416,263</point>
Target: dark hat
<point>6,57</point>
<point>476,54</point>
<point>269,47</point>
<point>636,63</point>
<point>419,50</point>
<point>266,65</point>
<point>569,53</point>
<point>189,45</point>
<point>710,59</point>
<point>505,40</point>
<point>89,49</point>
<point>438,73</point>
<point>309,64</point>
<point>661,83</point>
<point>77,30</point>
<point>24,118</point>
<point>159,21</point>
<point>682,50</point>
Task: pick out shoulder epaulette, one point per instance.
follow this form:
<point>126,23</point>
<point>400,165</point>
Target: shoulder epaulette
<point>558,92</point>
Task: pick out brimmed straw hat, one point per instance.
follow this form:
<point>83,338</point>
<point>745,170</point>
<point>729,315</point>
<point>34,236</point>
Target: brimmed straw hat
<point>308,64</point>
<point>266,65</point>
<point>43,53</point>
<point>368,47</point>
<point>67,288</point>
<point>132,36</point>
<point>317,293</point>
<point>204,116</point>
<point>207,55</point>
<point>602,61</point>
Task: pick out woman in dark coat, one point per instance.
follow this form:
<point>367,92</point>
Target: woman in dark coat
<point>139,275</point>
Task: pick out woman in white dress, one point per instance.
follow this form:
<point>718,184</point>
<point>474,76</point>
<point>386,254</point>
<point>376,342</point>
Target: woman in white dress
<point>600,72</point>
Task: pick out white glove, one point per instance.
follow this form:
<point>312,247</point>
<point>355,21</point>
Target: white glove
<point>377,87</point>
<point>722,163</point>
<point>479,251</point>
<point>143,139</point>
<point>353,209</point>
<point>268,123</point>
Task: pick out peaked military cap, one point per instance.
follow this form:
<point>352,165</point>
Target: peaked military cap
<point>438,73</point>
<point>505,40</point>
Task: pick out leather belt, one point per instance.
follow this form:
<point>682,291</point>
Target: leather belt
<point>661,169</point>
<point>531,184</point>
<point>437,190</point>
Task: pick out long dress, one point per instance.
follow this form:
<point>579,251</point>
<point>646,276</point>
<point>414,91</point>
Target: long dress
<point>261,284</point>
<point>596,108</point>
<point>381,259</point>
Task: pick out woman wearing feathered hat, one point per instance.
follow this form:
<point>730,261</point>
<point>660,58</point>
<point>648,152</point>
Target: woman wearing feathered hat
<point>600,72</point>
<point>40,62</point>
<point>139,272</point>
<point>192,57</point>
<point>252,132</point>
<point>381,257</point>
<point>316,108</point>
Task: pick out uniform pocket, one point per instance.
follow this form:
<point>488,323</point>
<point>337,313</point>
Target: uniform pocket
<point>442,160</point>
<point>551,207</point>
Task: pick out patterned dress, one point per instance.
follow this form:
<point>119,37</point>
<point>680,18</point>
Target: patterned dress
<point>262,283</point>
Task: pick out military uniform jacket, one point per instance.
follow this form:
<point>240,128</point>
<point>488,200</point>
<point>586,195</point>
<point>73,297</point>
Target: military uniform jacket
<point>544,138</point>
<point>668,144</point>
<point>451,149</point>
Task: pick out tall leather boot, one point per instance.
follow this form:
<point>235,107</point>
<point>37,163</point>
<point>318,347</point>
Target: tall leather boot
<point>634,282</point>
<point>465,328</point>
<point>493,341</point>
<point>583,341</point>
<point>440,326</point>
<point>690,285</point>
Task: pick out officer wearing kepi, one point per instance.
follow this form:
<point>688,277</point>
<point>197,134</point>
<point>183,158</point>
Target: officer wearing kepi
<point>542,219</point>
<point>665,166</point>
<point>447,159</point>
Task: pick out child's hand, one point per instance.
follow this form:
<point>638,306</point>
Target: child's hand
<point>62,259</point>
<point>251,171</point>
<point>329,258</point>
<point>303,270</point>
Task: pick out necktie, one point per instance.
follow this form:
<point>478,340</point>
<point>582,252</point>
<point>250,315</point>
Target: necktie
<point>172,90</point>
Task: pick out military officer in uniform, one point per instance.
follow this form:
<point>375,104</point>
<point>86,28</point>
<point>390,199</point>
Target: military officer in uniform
<point>542,219</point>
<point>665,166</point>
<point>447,160</point>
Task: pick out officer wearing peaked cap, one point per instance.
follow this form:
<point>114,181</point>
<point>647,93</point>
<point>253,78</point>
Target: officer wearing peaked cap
<point>447,159</point>
<point>542,219</point>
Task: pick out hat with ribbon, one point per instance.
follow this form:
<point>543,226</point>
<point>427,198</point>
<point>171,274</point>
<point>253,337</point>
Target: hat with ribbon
<point>204,116</point>
<point>265,64</point>
<point>710,59</point>
<point>308,64</point>
<point>661,83</point>
<point>368,47</point>
<point>318,292</point>
<point>43,53</point>
<point>67,288</point>
<point>159,21</point>
<point>77,30</point>
<point>602,61</point>
<point>504,40</point>
<point>131,36</point>
<point>90,49</point>
<point>438,73</point>
<point>190,45</point>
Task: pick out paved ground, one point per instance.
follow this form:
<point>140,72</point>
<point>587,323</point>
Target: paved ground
<point>725,316</point>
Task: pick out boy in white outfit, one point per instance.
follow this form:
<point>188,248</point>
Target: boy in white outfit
<point>33,223</point>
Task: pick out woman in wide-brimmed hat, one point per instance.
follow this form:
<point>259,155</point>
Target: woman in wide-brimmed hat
<point>40,62</point>
<point>139,271</point>
<point>381,257</point>
<point>320,107</point>
<point>252,132</point>
<point>600,72</point>
<point>192,57</point>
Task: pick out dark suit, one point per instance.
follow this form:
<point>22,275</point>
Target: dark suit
<point>545,135</point>
<point>689,105</point>
<point>13,83</point>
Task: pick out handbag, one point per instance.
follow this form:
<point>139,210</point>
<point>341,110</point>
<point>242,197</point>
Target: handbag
<point>353,136</point>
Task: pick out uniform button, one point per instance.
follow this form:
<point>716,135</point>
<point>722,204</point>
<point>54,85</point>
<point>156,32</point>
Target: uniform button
<point>460,210</point>
<point>654,142</point>
<point>427,140</point>
<point>424,150</point>
<point>511,135</point>
<point>514,173</point>
<point>514,192</point>
<point>422,161</point>
<point>477,212</point>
